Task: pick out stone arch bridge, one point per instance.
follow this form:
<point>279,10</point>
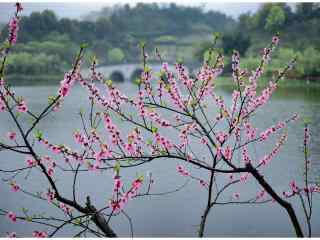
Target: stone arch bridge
<point>125,72</point>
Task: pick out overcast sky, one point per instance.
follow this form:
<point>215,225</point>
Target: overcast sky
<point>78,9</point>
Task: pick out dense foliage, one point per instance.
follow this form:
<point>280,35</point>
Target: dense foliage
<point>123,27</point>
<point>181,32</point>
<point>253,29</point>
<point>279,17</point>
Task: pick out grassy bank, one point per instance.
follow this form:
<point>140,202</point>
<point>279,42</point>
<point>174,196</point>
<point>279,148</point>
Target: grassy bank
<point>224,81</point>
<point>228,81</point>
<point>33,80</point>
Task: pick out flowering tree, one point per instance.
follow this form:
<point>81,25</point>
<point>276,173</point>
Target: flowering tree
<point>170,115</point>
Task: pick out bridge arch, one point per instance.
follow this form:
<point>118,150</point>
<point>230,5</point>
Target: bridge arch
<point>136,74</point>
<point>117,76</point>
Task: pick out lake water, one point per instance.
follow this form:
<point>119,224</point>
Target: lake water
<point>178,214</point>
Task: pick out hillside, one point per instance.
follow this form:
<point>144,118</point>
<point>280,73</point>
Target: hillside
<point>181,33</point>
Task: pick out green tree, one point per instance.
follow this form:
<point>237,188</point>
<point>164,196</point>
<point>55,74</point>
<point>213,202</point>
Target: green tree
<point>38,25</point>
<point>239,41</point>
<point>305,10</point>
<point>115,55</point>
<point>282,58</point>
<point>276,18</point>
<point>311,61</point>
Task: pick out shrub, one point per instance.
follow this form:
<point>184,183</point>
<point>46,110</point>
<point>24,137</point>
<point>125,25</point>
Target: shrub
<point>115,55</point>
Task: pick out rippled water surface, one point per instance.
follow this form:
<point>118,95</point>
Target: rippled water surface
<point>177,214</point>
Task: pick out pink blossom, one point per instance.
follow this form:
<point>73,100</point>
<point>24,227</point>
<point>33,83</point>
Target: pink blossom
<point>113,130</point>
<point>31,162</point>
<point>19,7</point>
<point>260,195</point>
<point>221,137</point>
<point>40,234</point>
<point>203,183</point>
<point>207,75</point>
<point>98,156</point>
<point>12,216</point>
<point>79,138</point>
<point>15,187</point>
<point>50,196</point>
<point>2,105</point>
<point>12,235</point>
<point>46,158</point>
<point>12,136</point>
<point>236,195</point>
<point>50,172</point>
<point>237,72</point>
<point>235,97</point>
<point>184,75</point>
<point>227,153</point>
<point>244,177</point>
<point>275,40</point>
<point>115,97</point>
<point>315,189</point>
<point>306,135</point>
<point>163,141</point>
<point>250,131</point>
<point>136,184</point>
<point>183,135</point>
<point>204,140</point>
<point>286,194</point>
<point>94,74</point>
<point>117,184</point>
<point>264,135</point>
<point>219,152</point>
<point>56,149</point>
<point>65,208</point>
<point>245,155</point>
<point>235,61</point>
<point>22,107</point>
<point>13,30</point>
<point>224,113</point>
<point>105,152</point>
<point>189,157</point>
<point>172,88</point>
<point>257,101</point>
<point>64,90</point>
<point>116,206</point>
<point>57,106</point>
<point>266,54</point>
<point>69,79</point>
<point>230,176</point>
<point>267,158</point>
<point>182,171</point>
<point>293,186</point>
